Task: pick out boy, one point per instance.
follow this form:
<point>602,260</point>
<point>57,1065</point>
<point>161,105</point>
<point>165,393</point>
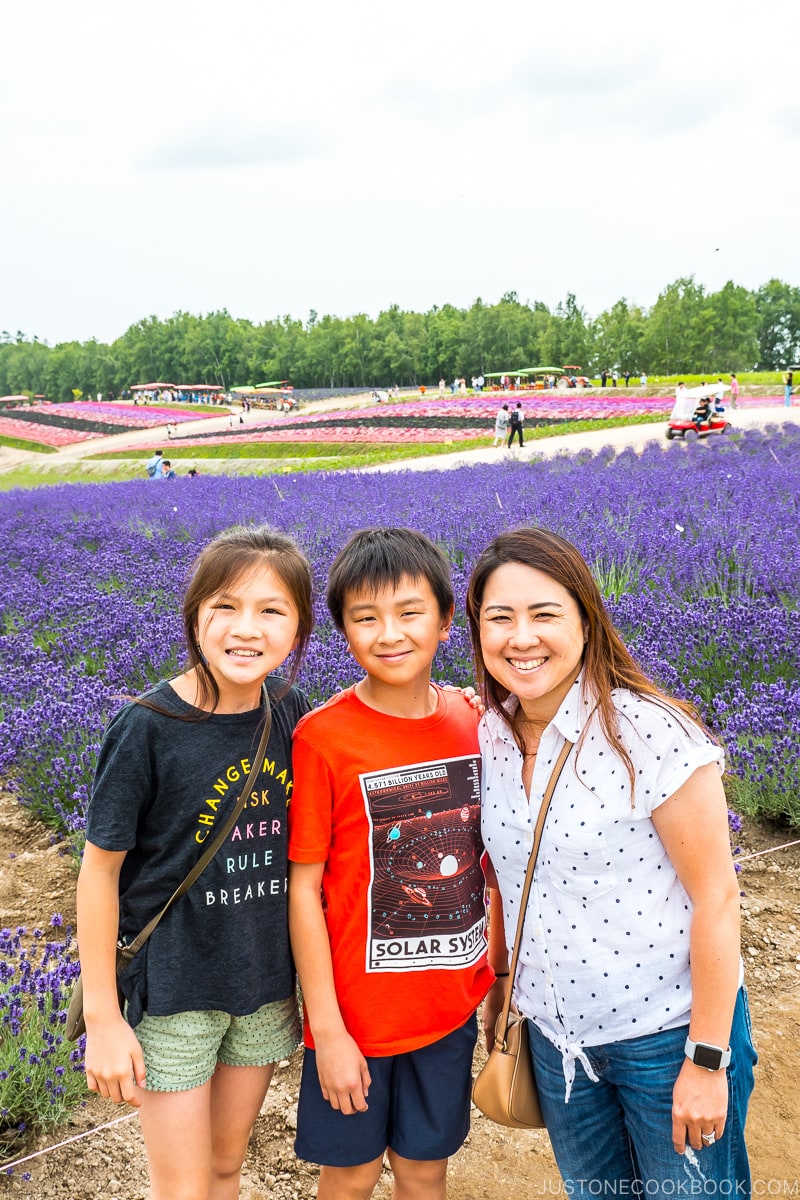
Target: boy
<point>386,888</point>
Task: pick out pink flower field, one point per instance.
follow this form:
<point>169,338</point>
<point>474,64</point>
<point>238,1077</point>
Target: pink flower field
<point>555,406</point>
<point>450,419</point>
<point>46,435</point>
<point>455,419</point>
<point>146,416</point>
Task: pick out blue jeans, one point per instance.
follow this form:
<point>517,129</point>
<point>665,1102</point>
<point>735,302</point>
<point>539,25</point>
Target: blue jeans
<point>615,1137</point>
<point>787,396</point>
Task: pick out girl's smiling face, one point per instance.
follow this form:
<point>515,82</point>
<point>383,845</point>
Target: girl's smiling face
<point>532,637</point>
<point>244,632</point>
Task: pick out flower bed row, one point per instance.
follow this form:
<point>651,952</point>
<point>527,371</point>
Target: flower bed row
<point>65,424</point>
<point>129,416</point>
<point>46,435</point>
<point>44,416</point>
<point>480,408</point>
<point>336,433</point>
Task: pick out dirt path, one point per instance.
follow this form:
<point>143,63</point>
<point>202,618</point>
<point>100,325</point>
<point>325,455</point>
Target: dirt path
<point>37,880</point>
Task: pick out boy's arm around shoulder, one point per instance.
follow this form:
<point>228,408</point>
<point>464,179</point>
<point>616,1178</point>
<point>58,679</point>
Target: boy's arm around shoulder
<point>114,1060</point>
<point>343,1072</point>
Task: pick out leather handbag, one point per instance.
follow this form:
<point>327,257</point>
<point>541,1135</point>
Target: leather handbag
<point>505,1089</point>
<point>75,1025</point>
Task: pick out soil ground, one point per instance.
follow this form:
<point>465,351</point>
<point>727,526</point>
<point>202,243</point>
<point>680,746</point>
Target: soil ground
<point>36,880</point>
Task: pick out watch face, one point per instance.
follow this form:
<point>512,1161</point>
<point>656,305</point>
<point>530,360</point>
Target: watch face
<point>709,1057</point>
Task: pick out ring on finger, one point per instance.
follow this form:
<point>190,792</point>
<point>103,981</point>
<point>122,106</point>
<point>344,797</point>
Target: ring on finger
<point>709,1138</point>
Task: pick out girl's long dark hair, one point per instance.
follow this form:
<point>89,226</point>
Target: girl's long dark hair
<point>227,558</point>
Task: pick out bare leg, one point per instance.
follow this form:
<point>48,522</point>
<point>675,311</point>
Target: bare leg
<point>196,1140</point>
<point>237,1094</point>
<point>349,1183</point>
<point>418,1180</point>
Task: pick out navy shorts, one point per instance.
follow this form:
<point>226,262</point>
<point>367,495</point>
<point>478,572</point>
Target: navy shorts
<point>418,1106</point>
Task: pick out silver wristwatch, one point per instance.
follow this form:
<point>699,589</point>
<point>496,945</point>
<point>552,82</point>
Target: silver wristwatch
<point>712,1058</point>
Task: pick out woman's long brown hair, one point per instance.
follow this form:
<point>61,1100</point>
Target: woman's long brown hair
<point>607,663</point>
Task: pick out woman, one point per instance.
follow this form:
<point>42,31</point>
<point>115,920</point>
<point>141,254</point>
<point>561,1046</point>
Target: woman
<point>500,426</point>
<point>630,972</point>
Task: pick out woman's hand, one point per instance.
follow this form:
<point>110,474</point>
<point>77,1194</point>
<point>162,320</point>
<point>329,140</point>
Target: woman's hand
<point>699,1105</point>
<point>474,699</point>
<point>343,1073</point>
<point>470,695</point>
<point>492,1007</point>
<point>114,1061</point>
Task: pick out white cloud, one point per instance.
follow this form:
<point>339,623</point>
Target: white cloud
<point>235,140</point>
<point>276,158</point>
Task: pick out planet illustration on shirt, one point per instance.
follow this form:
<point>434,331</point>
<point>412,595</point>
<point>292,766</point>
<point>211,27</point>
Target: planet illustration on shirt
<point>426,886</point>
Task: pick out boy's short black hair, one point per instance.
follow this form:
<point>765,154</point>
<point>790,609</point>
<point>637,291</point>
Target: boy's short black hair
<point>374,559</point>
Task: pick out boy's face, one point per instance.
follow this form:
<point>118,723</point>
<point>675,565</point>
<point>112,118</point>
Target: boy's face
<point>394,634</point>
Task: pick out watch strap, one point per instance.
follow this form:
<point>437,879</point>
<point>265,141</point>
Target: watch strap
<point>711,1058</point>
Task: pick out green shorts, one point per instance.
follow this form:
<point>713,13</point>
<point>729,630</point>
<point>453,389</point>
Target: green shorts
<point>181,1051</point>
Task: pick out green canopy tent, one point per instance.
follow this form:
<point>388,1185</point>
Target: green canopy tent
<point>500,374</point>
<point>277,385</point>
<point>542,371</point>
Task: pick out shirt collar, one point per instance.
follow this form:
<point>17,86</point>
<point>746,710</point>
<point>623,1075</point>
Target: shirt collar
<point>575,710</point>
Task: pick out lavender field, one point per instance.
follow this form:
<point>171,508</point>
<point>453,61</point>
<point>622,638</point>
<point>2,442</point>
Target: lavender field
<point>697,550</point>
<point>697,553</point>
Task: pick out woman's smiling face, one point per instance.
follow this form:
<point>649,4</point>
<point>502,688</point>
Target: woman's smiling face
<point>532,637</point>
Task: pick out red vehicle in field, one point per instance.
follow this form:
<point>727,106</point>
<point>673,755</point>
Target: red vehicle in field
<point>697,412</point>
<point>571,377</point>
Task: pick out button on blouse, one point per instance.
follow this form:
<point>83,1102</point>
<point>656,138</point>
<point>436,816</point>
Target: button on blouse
<point>605,945</point>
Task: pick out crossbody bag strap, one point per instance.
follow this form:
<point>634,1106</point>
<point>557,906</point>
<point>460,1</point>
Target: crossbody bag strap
<point>526,890</point>
<point>128,952</point>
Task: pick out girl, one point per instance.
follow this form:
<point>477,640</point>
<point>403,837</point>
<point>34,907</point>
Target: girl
<point>211,1002</point>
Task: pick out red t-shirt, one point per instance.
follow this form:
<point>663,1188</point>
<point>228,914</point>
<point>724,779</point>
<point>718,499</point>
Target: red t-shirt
<point>392,807</point>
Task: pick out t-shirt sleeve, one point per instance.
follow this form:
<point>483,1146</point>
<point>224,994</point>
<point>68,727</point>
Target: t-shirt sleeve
<point>666,748</point>
<point>310,811</point>
<point>124,782</point>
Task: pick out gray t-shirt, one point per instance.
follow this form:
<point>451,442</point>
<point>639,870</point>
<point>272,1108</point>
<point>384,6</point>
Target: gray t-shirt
<point>162,787</point>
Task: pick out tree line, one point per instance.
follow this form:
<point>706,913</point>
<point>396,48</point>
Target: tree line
<point>687,330</point>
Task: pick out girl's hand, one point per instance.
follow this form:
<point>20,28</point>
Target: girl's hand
<point>114,1061</point>
<point>343,1073</point>
<point>699,1105</point>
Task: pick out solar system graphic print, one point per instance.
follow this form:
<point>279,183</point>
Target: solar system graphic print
<point>425,898</point>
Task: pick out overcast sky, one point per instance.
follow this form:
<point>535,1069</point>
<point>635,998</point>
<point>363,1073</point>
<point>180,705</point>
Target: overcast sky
<point>276,158</point>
